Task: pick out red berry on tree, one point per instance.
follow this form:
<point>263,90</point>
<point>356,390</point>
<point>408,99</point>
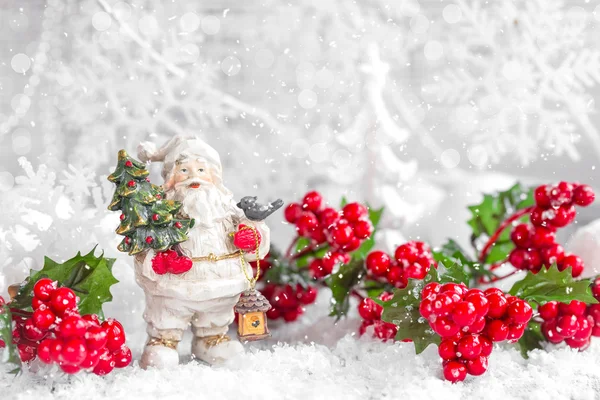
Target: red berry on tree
<point>96,337</point>
<point>312,201</point>
<point>549,310</point>
<point>273,313</point>
<point>328,216</point>
<point>292,315</point>
<point>415,271</point>
<point>447,349</point>
<point>464,313</point>
<point>149,239</point>
<point>566,325</point>
<point>585,326</point>
<point>396,277</point>
<point>306,295</point>
<point>455,371</point>
<point>575,307</point>
<point>498,305</point>
<point>519,259</point>
<point>122,217</point>
<point>37,303</point>
<point>352,245</point>
<point>521,235</point>
<point>341,232</point>
<point>574,262</point>
<point>384,330</point>
<point>43,289</point>
<point>43,351</point>
<point>178,225</point>
<point>561,194</point>
<point>63,299</point>
<point>128,164</point>
<point>292,212</point>
<point>131,183</point>
<point>477,366</point>
<point>378,262</point>
<point>552,254</point>
<point>73,326</point>
<point>578,344</point>
<point>445,327</point>
<point>469,347</point>
<point>541,195</point>
<point>155,217</point>
<point>406,253</point>
<point>32,332</point>
<point>496,330</point>
<point>515,332</point>
<point>92,359</point>
<point>479,300</point>
<point>369,310</point>
<point>543,237</point>
<point>596,289</point>
<point>564,215</point>
<point>354,212</point>
<point>519,311</point>
<point>73,352</point>
<point>306,223</point>
<point>550,333</point>
<point>105,365</point>
<point>363,229</point>
<point>26,353</point>
<point>317,270</point>
<point>122,357</point>
<point>431,289</point>
<point>486,346</point>
<point>583,195</point>
<point>43,318</point>
<point>116,334</point>
<point>538,217</point>
<point>127,240</point>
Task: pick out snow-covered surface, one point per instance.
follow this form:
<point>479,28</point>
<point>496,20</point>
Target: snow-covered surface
<point>324,360</point>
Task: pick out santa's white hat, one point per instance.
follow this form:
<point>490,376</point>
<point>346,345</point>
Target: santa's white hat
<point>182,147</point>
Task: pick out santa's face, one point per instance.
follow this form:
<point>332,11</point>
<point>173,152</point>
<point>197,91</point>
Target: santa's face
<point>194,171</point>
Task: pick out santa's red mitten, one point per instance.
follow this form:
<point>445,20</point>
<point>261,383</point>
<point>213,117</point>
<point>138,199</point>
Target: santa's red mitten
<point>160,264</point>
<point>180,264</point>
<point>244,238</point>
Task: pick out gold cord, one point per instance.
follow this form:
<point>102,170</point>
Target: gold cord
<point>214,258</point>
<point>171,344</point>
<point>214,340</point>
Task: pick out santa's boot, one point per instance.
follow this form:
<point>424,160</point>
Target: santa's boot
<point>160,353</point>
<point>216,349</point>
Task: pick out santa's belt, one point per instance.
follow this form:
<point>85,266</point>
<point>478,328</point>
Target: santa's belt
<point>214,258</point>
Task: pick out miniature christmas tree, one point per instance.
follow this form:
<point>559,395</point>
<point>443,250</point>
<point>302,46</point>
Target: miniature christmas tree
<point>148,220</point>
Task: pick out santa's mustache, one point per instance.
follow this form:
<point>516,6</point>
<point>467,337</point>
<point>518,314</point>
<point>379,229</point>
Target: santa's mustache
<point>196,183</point>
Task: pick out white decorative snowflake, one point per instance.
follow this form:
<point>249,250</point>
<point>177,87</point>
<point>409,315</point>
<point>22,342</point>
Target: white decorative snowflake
<point>518,78</point>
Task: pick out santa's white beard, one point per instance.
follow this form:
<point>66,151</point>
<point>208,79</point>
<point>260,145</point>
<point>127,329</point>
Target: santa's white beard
<point>205,204</point>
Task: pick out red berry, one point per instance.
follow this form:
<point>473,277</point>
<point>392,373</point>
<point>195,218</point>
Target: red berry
<point>534,260</point>
<point>538,217</point>
<point>73,326</point>
<point>308,295</point>
<point>370,310</point>
<point>396,277</point>
<point>128,164</point>
<point>561,194</point>
<point>352,245</point>
<point>426,308</point>
<point>549,310</point>
<point>577,344</point>
<point>477,366</point>
<point>583,195</point>
<point>566,325</point>
<point>486,346</point>
<point>155,217</point>
<point>447,349</point>
<point>44,352</point>
<point>444,327</point>
<point>32,332</point>
<point>63,299</point>
<point>56,347</point>
<point>378,262</point>
<point>105,365</point>
<point>455,371</point>
<point>469,347</point>
<point>273,313</point>
<point>306,223</point>
<point>92,359</point>
<point>328,216</point>
<point>386,296</point>
<point>430,289</point>
<point>416,271</point>
<point>292,315</point>
<point>477,326</point>
<point>292,212</point>
<point>564,215</point>
<point>550,333</point>
<point>96,337</point>
<point>515,332</point>
<point>363,229</point>
<point>519,259</point>
<point>131,183</point>
<point>363,327</point>
<point>384,330</point>
<point>149,239</point>
<point>73,352</point>
<point>552,254</point>
<point>317,270</point>
<point>496,330</point>
<point>354,212</point>
<point>116,334</point>
<point>26,353</point>
<point>178,225</point>
<point>122,217</point>
<point>406,253</point>
<point>312,201</point>
<point>127,240</point>
<point>520,312</point>
<point>459,289</point>
<point>37,303</point>
<point>585,326</point>
<point>543,237</point>
<point>574,262</point>
<point>575,307</point>
<point>498,305</point>
<point>521,235</point>
<point>341,232</point>
<point>43,318</point>
<point>122,357</point>
<point>479,300</point>
<point>43,289</point>
<point>542,198</point>
<point>464,313</point>
<point>443,304</point>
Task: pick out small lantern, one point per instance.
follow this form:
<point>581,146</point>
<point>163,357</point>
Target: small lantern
<point>252,320</point>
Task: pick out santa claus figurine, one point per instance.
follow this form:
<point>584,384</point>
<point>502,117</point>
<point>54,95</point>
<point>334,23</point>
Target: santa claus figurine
<point>203,297</point>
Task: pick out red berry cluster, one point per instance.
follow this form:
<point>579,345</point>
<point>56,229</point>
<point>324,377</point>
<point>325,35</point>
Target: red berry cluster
<point>468,321</point>
<point>344,231</point>
<point>57,333</point>
<point>536,242</point>
<point>411,260</point>
<point>287,301</point>
<point>171,262</point>
<point>573,323</point>
<point>371,312</point>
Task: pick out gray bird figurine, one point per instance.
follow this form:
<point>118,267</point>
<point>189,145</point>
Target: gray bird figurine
<point>255,211</point>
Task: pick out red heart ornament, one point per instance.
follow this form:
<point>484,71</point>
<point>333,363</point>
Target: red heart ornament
<point>179,265</point>
<point>159,263</point>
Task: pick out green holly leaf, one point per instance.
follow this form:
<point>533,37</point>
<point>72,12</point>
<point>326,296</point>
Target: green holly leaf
<point>342,283</point>
<point>491,212</point>
<point>462,267</point>
<point>403,311</point>
<point>532,339</point>
<point>553,285</point>
<point>9,353</point>
<point>89,276</point>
